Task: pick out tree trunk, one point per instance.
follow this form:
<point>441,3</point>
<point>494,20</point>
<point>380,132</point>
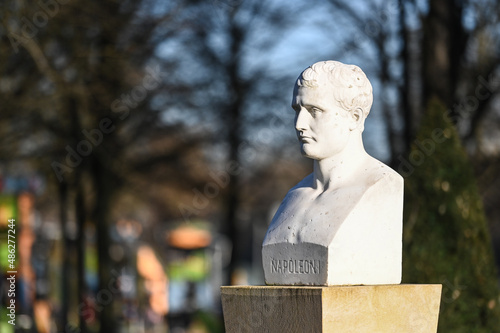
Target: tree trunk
<point>406,108</point>
<point>233,117</point>
<point>65,274</point>
<point>233,198</point>
<point>103,188</point>
<point>444,42</point>
<point>80,248</point>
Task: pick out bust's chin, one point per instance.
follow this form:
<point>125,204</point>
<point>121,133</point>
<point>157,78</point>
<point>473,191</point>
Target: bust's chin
<point>312,155</point>
<point>309,153</point>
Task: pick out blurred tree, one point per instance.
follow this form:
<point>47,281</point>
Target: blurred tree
<point>460,61</point>
<point>236,92</point>
<point>447,49</point>
<point>443,49</point>
<point>446,238</point>
<point>78,81</point>
<point>104,96</point>
<point>417,50</point>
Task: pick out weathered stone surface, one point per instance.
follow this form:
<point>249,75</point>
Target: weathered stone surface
<point>345,309</point>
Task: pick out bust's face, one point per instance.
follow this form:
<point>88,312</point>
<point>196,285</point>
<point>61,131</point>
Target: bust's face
<point>322,126</point>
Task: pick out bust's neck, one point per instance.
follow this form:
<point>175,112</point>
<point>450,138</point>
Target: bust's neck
<point>335,171</point>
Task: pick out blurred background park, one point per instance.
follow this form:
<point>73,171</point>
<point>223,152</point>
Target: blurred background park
<point>145,145</point>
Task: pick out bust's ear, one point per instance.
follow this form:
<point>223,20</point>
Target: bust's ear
<point>357,119</point>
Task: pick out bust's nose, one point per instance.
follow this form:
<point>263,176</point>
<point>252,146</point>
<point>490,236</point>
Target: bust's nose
<point>301,121</point>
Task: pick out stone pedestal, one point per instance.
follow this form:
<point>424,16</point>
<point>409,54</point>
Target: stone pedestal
<point>358,309</point>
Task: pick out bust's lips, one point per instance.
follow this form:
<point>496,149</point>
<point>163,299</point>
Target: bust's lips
<point>305,139</point>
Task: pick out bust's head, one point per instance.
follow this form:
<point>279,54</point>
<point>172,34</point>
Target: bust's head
<point>335,99</point>
<point>349,85</point>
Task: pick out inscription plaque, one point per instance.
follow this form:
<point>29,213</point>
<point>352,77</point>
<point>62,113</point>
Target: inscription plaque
<point>294,266</point>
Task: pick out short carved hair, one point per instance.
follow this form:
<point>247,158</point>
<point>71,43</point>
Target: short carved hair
<point>351,87</point>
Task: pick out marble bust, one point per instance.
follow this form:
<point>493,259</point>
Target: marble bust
<point>342,224</point>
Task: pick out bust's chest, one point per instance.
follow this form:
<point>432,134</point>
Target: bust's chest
<point>304,214</point>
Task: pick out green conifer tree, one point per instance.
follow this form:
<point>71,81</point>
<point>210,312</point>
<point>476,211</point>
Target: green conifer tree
<point>446,238</point>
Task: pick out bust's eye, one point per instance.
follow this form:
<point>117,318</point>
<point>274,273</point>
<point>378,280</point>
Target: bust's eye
<point>315,111</point>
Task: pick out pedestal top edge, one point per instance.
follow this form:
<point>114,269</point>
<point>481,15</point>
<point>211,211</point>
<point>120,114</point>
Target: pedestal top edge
<point>249,287</point>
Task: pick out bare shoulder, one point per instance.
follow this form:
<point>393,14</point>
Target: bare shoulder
<point>376,172</point>
<point>298,191</point>
<point>305,183</point>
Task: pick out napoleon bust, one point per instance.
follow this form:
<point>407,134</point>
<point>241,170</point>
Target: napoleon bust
<point>342,224</point>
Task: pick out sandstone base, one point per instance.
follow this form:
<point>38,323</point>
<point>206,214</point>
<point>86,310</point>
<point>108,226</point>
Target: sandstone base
<point>358,309</point>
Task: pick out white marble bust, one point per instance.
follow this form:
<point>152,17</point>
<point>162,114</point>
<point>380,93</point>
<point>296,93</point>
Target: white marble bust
<point>342,224</point>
